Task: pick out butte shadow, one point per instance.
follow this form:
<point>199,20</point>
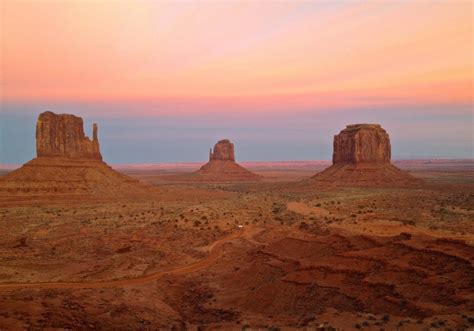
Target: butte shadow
<point>67,163</point>
<point>361,157</point>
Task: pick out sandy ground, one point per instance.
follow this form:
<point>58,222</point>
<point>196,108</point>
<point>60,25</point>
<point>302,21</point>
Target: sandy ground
<point>274,254</point>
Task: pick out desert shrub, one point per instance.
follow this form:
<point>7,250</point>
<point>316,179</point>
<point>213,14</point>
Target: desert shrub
<point>303,226</point>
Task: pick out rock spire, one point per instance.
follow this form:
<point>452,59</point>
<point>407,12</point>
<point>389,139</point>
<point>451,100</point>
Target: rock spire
<point>63,135</point>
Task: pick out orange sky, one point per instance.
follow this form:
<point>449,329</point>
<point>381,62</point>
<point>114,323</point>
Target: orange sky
<point>287,53</point>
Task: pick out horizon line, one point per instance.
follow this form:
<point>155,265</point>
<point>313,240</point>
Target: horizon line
<point>9,166</point>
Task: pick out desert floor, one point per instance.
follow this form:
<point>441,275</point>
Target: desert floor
<point>273,254</point>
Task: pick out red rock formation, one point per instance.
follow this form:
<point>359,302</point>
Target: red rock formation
<point>222,166</point>
<point>361,157</point>
<point>63,135</point>
<point>223,151</point>
<point>362,143</point>
<point>68,163</point>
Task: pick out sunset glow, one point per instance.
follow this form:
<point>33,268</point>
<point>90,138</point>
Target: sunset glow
<point>401,51</point>
<point>237,62</point>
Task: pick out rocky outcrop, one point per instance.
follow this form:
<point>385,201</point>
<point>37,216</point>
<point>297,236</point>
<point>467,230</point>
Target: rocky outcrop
<point>68,164</point>
<point>222,166</point>
<point>63,135</point>
<point>361,157</point>
<point>223,151</point>
<point>362,143</point>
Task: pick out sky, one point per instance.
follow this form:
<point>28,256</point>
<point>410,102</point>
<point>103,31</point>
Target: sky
<point>165,80</point>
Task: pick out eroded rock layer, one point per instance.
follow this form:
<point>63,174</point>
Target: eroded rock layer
<point>362,143</point>
<point>223,151</point>
<point>222,166</point>
<point>68,163</point>
<point>66,176</point>
<point>361,157</point>
<point>63,135</point>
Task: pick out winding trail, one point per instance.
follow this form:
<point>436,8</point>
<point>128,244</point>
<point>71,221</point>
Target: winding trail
<point>214,253</point>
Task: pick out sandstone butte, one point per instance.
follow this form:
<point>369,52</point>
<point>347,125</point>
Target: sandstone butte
<point>361,157</point>
<point>63,135</point>
<point>67,163</point>
<point>222,166</point>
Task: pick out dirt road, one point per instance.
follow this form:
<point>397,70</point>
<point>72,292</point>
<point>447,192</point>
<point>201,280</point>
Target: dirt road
<point>214,253</point>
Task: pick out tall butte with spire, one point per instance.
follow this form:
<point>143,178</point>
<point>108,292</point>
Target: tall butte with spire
<point>222,166</point>
<point>63,135</point>
<point>361,157</point>
<point>67,163</point>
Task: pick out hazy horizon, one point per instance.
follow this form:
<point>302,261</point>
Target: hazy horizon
<point>285,138</point>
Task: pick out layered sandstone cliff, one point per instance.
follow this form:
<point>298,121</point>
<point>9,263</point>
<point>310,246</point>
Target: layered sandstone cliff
<point>63,135</point>
<point>222,166</point>
<point>67,163</point>
<point>362,143</point>
<point>361,157</point>
<point>223,151</point>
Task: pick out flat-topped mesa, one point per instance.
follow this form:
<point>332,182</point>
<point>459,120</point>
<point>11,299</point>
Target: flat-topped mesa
<point>223,151</point>
<point>362,143</point>
<point>361,157</point>
<point>63,135</point>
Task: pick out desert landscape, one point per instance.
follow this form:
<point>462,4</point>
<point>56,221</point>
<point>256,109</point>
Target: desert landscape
<point>87,247</point>
<point>236,165</point>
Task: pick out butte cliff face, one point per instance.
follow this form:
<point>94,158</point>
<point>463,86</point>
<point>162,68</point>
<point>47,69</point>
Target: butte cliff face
<point>222,166</point>
<point>63,135</point>
<point>362,143</point>
<point>223,151</point>
<point>361,157</point>
<point>67,163</point>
